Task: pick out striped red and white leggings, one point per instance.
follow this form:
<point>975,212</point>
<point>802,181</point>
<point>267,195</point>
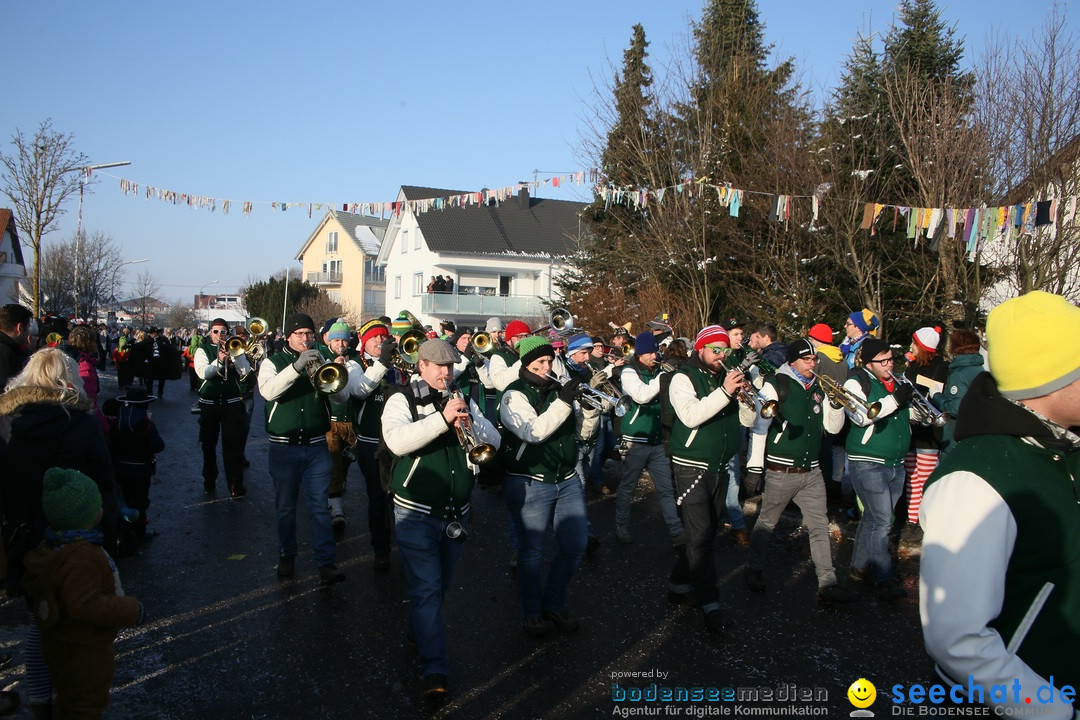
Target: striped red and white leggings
<point>918,464</point>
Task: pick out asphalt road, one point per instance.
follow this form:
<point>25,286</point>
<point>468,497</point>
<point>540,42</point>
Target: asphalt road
<point>227,639</point>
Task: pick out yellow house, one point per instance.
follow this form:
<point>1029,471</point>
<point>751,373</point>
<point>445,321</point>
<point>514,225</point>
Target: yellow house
<point>339,257</point>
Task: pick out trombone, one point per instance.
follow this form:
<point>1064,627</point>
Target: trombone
<point>840,396</point>
<point>929,415</point>
<point>478,453</point>
<point>560,320</point>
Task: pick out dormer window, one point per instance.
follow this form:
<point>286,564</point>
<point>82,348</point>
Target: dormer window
<point>331,241</point>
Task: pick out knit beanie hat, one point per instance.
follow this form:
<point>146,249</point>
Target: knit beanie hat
<point>298,321</point>
<point>710,334</point>
<point>515,327</point>
<point>645,343</point>
<point>800,348</point>
<point>578,342</point>
<point>70,499</point>
<point>822,333</point>
<point>494,324</point>
<point>400,326</point>
<point>534,347</point>
<point>327,325</point>
<point>927,338</point>
<point>865,320</point>
<point>338,331</point>
<point>1021,374</point>
<point>370,329</point>
<point>871,348</point>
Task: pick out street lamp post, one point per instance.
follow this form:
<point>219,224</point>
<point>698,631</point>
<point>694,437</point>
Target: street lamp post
<point>78,226</point>
<point>212,282</point>
<point>126,262</point>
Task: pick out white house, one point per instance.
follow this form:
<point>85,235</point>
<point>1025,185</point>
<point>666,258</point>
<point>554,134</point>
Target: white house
<point>501,256</point>
<point>12,269</point>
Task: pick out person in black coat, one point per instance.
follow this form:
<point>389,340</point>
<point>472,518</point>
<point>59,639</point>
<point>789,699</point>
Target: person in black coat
<point>14,332</point>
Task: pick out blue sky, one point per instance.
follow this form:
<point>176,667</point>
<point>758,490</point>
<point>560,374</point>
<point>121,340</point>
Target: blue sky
<point>347,101</point>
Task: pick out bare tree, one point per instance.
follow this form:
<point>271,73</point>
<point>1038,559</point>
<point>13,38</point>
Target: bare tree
<point>1030,103</point>
<point>41,174</point>
<point>180,315</point>
<point>147,286</point>
<point>98,271</point>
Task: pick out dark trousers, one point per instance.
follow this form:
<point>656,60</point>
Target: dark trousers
<point>378,509</point>
<point>702,495</point>
<point>229,420</point>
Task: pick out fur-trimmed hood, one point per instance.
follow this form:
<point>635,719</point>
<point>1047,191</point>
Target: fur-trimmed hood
<point>15,398</point>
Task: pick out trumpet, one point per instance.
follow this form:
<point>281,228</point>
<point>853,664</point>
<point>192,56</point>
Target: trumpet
<point>749,396</point>
<point>929,415</point>
<point>598,399</point>
<point>409,347</point>
<point>478,453</point>
<point>560,320</point>
<point>327,377</point>
<point>481,342</point>
<point>840,396</point>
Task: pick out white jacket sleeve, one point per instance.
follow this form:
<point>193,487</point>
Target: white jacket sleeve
<point>272,384</point>
<point>968,538</point>
<point>501,375</point>
<point>888,405</point>
<point>363,382</point>
<point>519,417</point>
<point>639,392</point>
<point>692,410</point>
<point>402,434</point>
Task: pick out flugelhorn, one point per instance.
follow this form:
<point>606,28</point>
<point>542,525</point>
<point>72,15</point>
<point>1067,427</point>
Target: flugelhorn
<point>597,399</point>
<point>479,453</point>
<point>842,397</point>
<point>928,413</point>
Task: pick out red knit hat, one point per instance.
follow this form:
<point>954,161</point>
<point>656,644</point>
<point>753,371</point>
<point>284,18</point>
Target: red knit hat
<point>822,333</point>
<point>370,329</point>
<point>927,338</point>
<point>515,327</point>
<point>711,334</point>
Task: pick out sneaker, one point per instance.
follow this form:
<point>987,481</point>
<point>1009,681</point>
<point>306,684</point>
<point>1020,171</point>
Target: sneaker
<point>209,485</point>
<point>536,626</point>
<point>742,538</point>
<point>382,560</point>
<point>891,589</point>
<point>286,566</point>
<point>337,524</point>
<point>329,574</point>
<point>433,688</point>
<point>714,621</point>
<point>623,534</point>
<point>562,620</point>
<point>860,577</point>
<point>835,594</point>
<point>237,490</point>
<point>755,580</point>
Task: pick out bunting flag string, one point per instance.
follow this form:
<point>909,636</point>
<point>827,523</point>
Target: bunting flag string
<point>974,226</point>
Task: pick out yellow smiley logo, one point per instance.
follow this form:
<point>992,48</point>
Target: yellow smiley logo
<point>862,693</point>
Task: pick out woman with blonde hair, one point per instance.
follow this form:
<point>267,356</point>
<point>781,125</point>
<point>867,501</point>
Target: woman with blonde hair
<point>46,422</point>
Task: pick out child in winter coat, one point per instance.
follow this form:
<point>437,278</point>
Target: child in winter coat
<point>76,596</point>
<point>133,442</point>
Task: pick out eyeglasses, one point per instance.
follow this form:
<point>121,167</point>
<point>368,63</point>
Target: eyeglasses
<point>215,332</point>
<point>721,351</point>
<point>812,359</point>
<point>886,361</point>
<point>304,333</point>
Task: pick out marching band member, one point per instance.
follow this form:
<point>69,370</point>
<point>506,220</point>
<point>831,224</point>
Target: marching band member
<point>859,326</point>
<point>927,370</point>
<point>431,482</point>
<point>297,418</point>
<point>335,348</point>
<point>543,424</point>
<point>641,430</point>
<point>876,448</point>
<point>221,409</point>
<point>705,435</point>
<point>803,414</point>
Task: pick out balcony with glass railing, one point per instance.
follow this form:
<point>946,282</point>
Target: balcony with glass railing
<point>324,278</point>
<point>452,304</point>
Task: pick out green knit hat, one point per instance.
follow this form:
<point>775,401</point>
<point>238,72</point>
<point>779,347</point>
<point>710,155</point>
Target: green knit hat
<point>534,347</point>
<point>338,331</point>
<point>71,500</point>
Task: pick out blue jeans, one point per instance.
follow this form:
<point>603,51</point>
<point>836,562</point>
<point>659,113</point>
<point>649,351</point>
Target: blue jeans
<point>538,506</point>
<point>878,487</point>
<point>295,468</point>
<point>429,557</point>
<point>731,499</point>
<point>652,457</point>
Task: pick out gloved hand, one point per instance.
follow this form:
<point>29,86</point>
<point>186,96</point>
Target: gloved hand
<point>386,351</point>
<point>474,356</point>
<point>903,393</point>
<point>308,356</point>
<point>751,483</point>
<point>569,391</point>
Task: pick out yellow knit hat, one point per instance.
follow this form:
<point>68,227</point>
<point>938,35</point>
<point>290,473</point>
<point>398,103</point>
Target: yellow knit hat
<point>1024,372</point>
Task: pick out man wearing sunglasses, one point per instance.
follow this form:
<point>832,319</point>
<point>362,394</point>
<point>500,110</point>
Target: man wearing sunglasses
<point>876,448</point>
<point>705,435</point>
<point>793,444</point>
<point>222,384</point>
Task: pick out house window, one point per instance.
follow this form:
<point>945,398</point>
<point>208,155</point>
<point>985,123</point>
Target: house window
<point>418,284</point>
<point>397,286</point>
<point>331,242</point>
<point>335,267</point>
<point>416,242</point>
<point>404,241</point>
<point>373,272</point>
